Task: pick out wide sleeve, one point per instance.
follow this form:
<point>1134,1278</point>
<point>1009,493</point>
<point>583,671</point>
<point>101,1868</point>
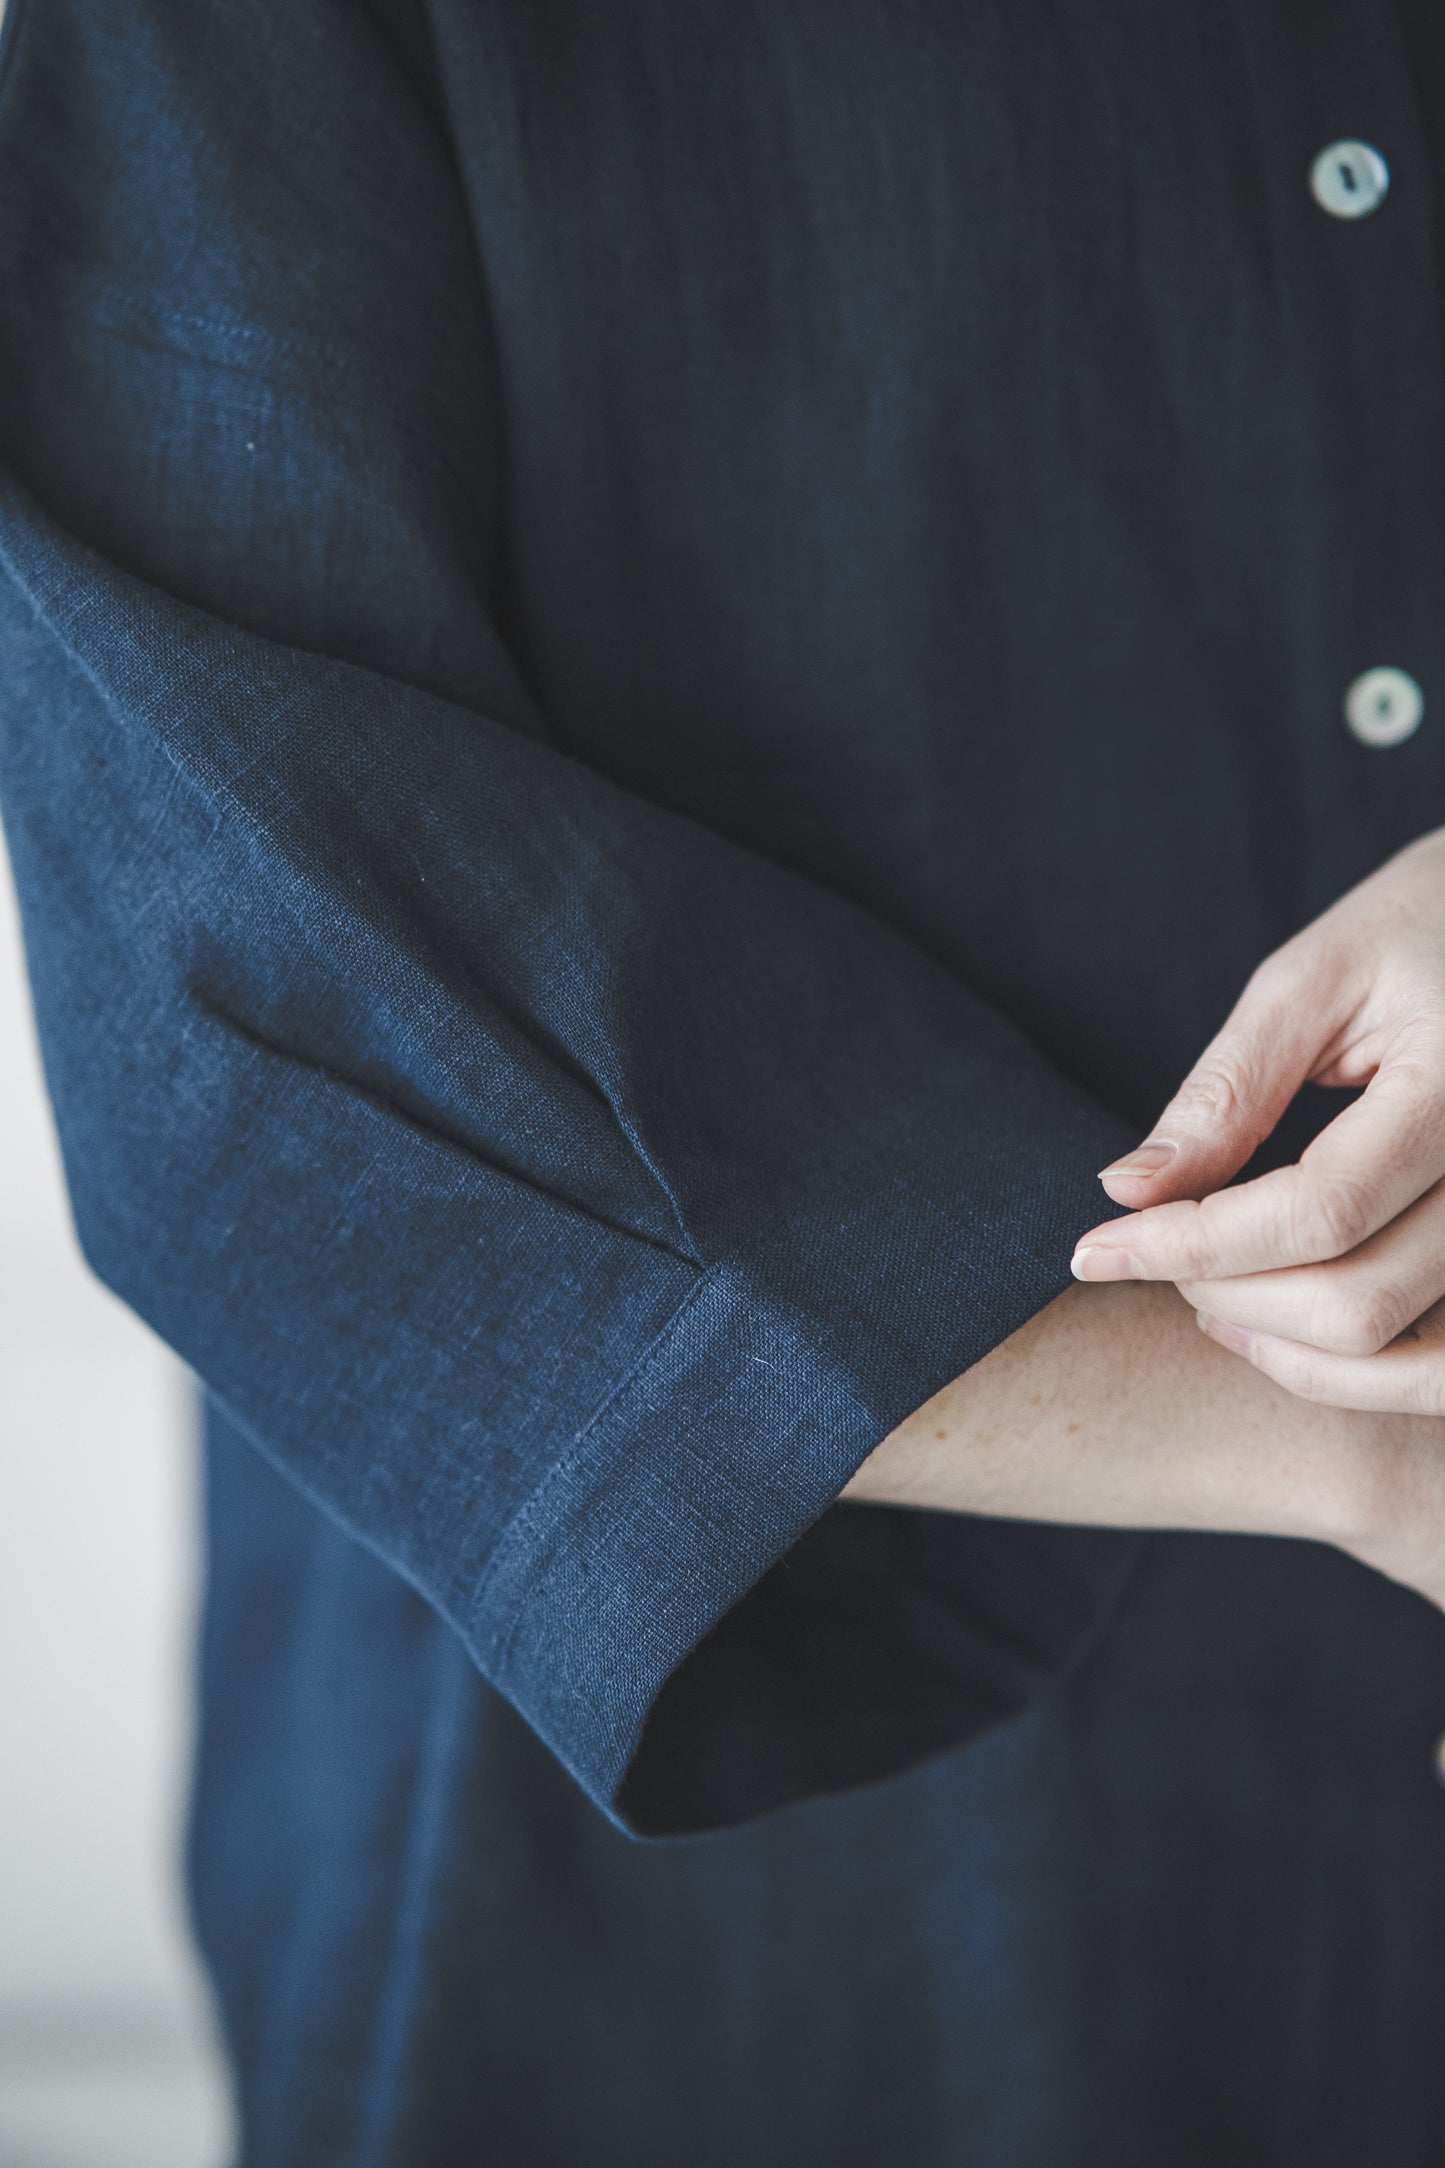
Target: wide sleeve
<point>565,1197</point>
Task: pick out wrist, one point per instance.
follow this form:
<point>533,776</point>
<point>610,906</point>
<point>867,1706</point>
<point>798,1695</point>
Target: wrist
<point>1400,1530</point>
<point>1341,1478</point>
<point>1385,1488</point>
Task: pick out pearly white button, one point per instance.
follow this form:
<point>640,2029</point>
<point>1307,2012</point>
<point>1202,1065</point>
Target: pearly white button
<point>1349,179</point>
<point>1384,707</point>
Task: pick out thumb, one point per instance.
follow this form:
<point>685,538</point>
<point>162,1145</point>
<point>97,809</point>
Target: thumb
<point>1268,1046</point>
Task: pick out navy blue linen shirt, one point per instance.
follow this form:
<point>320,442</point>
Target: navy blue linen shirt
<point>661,664</point>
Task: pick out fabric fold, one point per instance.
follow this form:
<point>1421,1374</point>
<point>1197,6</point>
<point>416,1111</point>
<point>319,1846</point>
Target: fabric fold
<point>567,1196</point>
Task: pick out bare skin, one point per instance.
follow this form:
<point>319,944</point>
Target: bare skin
<point>1328,1278</point>
<point>1111,1408</point>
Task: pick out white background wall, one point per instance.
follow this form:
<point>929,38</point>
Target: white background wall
<point>105,2055</point>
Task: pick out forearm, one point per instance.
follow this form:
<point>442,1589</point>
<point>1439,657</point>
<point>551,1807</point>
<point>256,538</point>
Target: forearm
<point>1112,1408</point>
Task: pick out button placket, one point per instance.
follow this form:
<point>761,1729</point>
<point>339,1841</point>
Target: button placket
<point>1383,706</point>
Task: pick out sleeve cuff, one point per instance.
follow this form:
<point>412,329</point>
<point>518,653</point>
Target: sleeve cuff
<point>677,1610</point>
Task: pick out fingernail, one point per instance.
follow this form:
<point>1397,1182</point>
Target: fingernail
<point>1101,1261</point>
<point>1145,1159</point>
<point>1236,1338</point>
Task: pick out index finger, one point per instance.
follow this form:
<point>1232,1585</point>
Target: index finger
<point>1374,1159</point>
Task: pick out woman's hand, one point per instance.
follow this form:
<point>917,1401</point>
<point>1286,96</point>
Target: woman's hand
<point>1329,1276</point>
